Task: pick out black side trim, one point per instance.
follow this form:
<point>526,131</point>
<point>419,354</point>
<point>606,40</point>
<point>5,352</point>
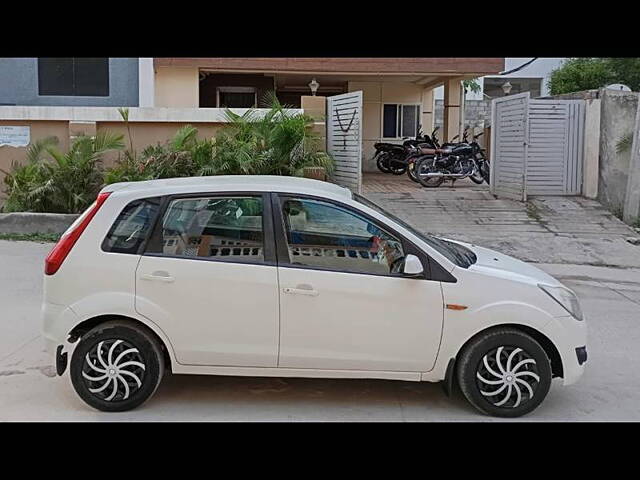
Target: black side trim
<point>439,274</point>
<point>61,360</point>
<point>447,383</point>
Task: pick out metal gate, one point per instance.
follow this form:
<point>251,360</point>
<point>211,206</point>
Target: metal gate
<point>539,147</point>
<point>509,141</point>
<point>344,138</point>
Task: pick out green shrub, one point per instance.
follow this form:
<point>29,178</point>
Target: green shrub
<point>63,182</point>
<point>276,143</point>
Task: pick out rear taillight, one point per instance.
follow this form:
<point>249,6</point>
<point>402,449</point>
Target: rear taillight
<point>61,249</point>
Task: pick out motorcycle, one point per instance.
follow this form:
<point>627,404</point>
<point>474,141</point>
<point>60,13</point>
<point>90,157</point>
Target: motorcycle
<point>392,158</point>
<point>452,161</point>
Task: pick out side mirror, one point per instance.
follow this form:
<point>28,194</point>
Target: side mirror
<point>412,265</point>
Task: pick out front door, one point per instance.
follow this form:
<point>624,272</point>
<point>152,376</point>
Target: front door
<point>343,303</point>
<point>208,279</point>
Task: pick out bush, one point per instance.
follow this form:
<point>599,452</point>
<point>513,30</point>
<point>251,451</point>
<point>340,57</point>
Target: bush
<point>277,142</point>
<point>64,182</point>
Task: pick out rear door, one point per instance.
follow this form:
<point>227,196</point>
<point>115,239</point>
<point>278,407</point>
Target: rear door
<point>208,279</point>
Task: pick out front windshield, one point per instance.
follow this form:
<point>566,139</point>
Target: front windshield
<point>461,256</point>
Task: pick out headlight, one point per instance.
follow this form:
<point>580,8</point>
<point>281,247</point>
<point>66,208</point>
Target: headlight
<point>566,298</point>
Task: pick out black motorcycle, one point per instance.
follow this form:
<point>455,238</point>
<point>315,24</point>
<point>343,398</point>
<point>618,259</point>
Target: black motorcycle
<point>453,161</point>
<point>393,158</point>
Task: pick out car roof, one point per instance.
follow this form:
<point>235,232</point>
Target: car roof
<point>227,183</point>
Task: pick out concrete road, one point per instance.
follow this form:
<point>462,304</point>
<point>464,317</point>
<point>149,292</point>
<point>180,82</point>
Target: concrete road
<point>30,390</point>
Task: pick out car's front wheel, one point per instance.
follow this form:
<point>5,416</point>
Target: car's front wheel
<point>116,366</point>
<point>504,372</point>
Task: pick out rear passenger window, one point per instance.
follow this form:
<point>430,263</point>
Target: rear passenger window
<point>221,228</point>
<point>131,227</point>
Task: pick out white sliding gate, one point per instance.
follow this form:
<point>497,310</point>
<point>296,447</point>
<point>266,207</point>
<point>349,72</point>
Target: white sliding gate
<point>344,138</point>
<point>537,146</point>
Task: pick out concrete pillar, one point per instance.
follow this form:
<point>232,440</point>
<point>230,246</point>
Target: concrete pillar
<point>146,82</point>
<point>631,213</point>
<point>427,119</point>
<point>591,163</point>
<point>452,94</point>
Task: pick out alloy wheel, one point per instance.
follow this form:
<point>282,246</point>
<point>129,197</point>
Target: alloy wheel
<point>507,377</point>
<point>113,370</point>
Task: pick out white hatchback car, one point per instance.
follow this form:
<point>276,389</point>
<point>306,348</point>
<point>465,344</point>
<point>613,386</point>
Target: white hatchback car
<point>290,277</point>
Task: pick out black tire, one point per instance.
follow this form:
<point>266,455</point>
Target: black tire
<point>411,171</point>
<point>382,162</point>
<point>475,361</point>
<point>485,171</point>
<point>396,166</point>
<point>117,338</point>
<point>425,165</point>
<point>477,178</point>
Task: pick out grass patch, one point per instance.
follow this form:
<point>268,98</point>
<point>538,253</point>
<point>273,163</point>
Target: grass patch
<point>31,237</point>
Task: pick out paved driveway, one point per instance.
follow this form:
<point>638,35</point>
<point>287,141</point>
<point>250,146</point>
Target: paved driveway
<point>563,230</point>
<point>30,390</point>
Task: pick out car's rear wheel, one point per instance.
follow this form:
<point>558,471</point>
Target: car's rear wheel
<point>117,366</point>
<point>504,372</point>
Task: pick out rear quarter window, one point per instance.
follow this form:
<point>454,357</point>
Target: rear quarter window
<point>132,226</point>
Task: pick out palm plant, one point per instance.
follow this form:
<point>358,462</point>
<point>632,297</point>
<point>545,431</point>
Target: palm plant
<point>64,182</point>
<point>27,186</point>
<point>277,142</point>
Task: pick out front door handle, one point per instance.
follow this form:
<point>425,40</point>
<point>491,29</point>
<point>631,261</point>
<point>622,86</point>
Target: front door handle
<point>301,290</point>
<point>159,276</point>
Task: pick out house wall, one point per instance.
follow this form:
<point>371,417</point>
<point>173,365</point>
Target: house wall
<point>177,87</point>
<point>374,95</point>
<point>19,85</point>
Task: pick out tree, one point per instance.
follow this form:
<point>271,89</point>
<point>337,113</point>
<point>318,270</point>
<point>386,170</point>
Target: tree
<point>577,74</point>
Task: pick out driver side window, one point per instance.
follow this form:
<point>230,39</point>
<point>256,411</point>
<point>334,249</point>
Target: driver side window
<point>320,234</point>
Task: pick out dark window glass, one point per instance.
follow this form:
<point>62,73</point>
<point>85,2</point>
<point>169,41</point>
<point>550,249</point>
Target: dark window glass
<point>225,228</point>
<point>390,121</point>
<point>409,120</point>
<point>73,76</point>
<point>320,234</point>
<point>131,227</point>
<point>91,76</point>
<point>55,76</point>
<point>237,99</point>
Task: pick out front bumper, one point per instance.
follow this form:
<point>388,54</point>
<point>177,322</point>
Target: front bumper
<point>570,338</point>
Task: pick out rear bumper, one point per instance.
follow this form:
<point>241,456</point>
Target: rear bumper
<point>56,320</point>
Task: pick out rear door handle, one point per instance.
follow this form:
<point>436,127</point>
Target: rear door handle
<point>158,277</point>
<point>301,290</point>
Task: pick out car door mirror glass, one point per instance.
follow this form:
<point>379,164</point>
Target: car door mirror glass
<point>412,265</point>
